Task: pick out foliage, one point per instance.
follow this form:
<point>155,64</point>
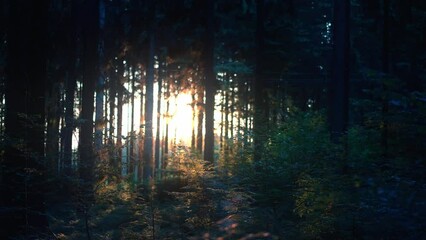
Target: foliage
<point>292,187</point>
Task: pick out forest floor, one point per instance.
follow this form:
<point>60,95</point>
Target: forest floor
<point>179,208</point>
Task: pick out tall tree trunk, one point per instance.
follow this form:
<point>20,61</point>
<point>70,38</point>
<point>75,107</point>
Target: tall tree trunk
<point>112,95</point>
<point>69,123</point>
<point>141,128</point>
<point>157,135</point>
<point>119,144</point>
<point>166,137</point>
<point>226,142</point>
<point>106,115</point>
<point>385,69</point>
<point>132,123</point>
<point>339,84</point>
<point>100,85</point>
<point>227,109</point>
<point>210,83</point>
<point>149,107</point>
<point>246,114</point>
<point>232,105</point>
<point>114,160</point>
<point>99,118</point>
<point>222,118</point>
<point>53,119</point>
<point>193,103</point>
<point>200,104</point>
<point>23,180</point>
<point>260,113</point>
<point>90,13</point>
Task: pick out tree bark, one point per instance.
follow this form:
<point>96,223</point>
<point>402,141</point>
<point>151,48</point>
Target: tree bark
<point>112,95</point>
<point>158,135</point>
<point>210,84</point>
<point>200,104</point>
<point>141,129</point>
<point>222,118</point>
<point>100,85</point>
<point>260,114</point>
<point>132,123</point>
<point>226,110</point>
<point>119,145</point>
<point>53,119</point>
<point>193,103</point>
<point>149,105</point>
<point>166,137</point>
<point>385,69</point>
<point>90,74</point>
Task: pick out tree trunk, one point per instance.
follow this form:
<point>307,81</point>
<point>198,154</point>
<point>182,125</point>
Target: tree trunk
<point>132,123</point>
<point>23,180</point>
<point>149,105</point>
<point>200,103</point>
<point>141,128</point>
<point>210,84</point>
<point>52,130</point>
<point>157,135</point>
<point>119,145</point>
<point>222,118</point>
<point>112,95</point>
<point>99,122</point>
<point>226,110</point>
<point>193,103</point>
<point>232,105</point>
<point>259,121</point>
<point>385,69</point>
<point>90,75</point>
<point>100,86</point>
<point>166,137</point>
<point>226,142</point>
<point>246,115</point>
<point>69,124</point>
<point>339,84</point>
<point>106,115</point>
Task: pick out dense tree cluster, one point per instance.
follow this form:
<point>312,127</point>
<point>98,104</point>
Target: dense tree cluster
<point>306,119</point>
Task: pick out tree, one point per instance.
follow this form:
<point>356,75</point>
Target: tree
<point>339,84</point>
<point>149,108</point>
<point>100,84</point>
<point>22,184</point>
<point>161,75</point>
<point>385,69</point>
<point>260,113</point>
<point>90,30</point>
<point>200,117</point>
<point>70,86</point>
<point>119,88</point>
<point>210,83</point>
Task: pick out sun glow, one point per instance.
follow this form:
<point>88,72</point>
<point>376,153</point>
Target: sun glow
<point>177,117</point>
<point>181,120</point>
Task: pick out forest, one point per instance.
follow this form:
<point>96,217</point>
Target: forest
<point>212,119</point>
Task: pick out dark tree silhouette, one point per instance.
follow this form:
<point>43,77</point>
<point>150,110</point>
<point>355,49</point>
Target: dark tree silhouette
<point>23,173</point>
<point>90,31</point>
<point>260,113</point>
<point>210,83</point>
<point>149,108</point>
<point>339,85</point>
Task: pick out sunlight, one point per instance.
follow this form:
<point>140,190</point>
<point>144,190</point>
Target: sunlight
<point>181,118</point>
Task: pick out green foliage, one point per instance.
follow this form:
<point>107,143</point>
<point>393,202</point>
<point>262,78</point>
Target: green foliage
<point>293,184</point>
